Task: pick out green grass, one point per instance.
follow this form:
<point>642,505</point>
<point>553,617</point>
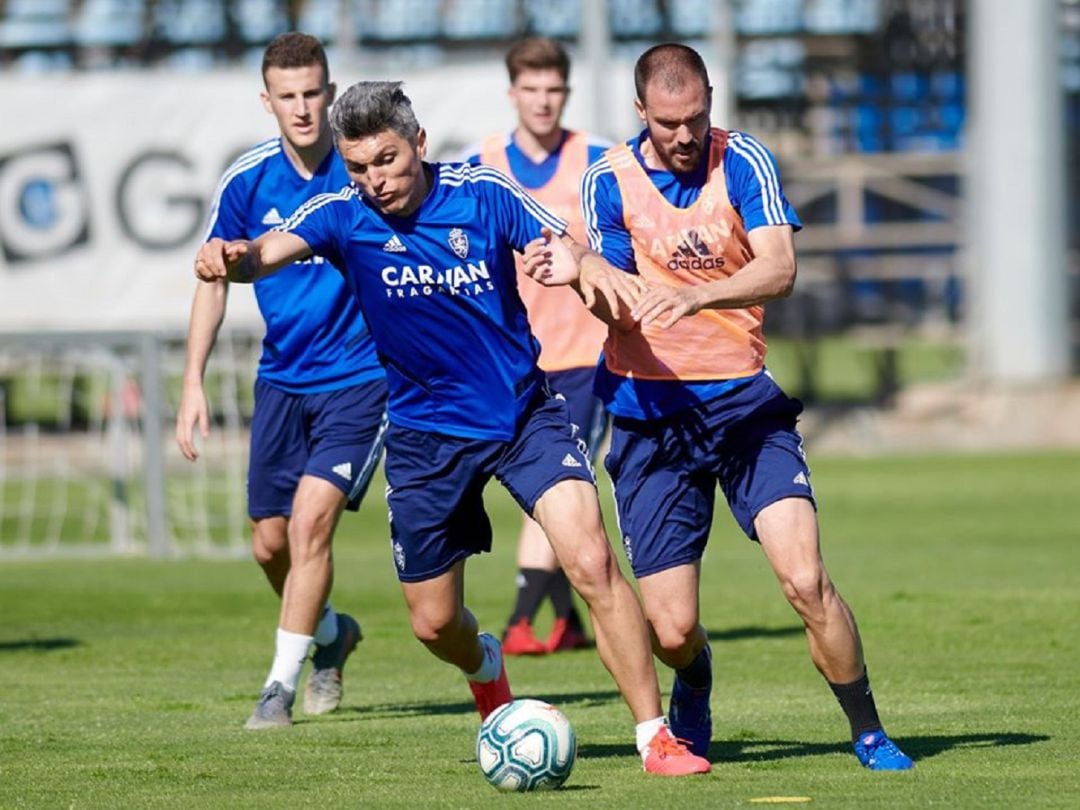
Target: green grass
<point>124,683</point>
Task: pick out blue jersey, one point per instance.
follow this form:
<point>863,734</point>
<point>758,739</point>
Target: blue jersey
<point>529,173</point>
<point>316,339</point>
<point>439,291</point>
<point>754,190</point>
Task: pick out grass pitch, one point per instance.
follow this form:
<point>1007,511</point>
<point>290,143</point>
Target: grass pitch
<point>125,682</point>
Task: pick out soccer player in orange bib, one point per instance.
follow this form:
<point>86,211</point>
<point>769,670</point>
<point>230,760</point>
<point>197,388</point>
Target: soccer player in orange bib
<point>548,161</point>
<point>699,213</point>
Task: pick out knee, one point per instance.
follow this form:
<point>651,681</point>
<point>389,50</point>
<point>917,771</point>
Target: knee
<point>268,548</point>
<point>806,590</point>
<point>590,568</point>
<point>674,633</point>
<point>309,533</point>
<point>432,624</point>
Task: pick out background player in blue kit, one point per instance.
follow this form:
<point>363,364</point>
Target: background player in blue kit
<point>320,394</point>
<point>699,213</point>
<point>428,251</point>
<point>548,161</point>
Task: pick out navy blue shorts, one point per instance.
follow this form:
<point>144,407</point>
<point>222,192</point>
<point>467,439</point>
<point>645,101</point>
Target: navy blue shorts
<point>335,435</point>
<point>666,471</point>
<point>587,412</point>
<point>435,484</point>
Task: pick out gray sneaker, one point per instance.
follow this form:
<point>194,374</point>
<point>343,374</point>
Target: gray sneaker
<point>323,692</point>
<point>274,709</point>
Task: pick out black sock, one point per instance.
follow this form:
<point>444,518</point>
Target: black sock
<point>698,673</point>
<point>562,599</point>
<point>532,585</point>
<point>857,701</point>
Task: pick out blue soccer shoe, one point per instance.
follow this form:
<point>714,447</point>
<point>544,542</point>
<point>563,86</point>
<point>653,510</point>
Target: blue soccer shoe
<point>878,753</point>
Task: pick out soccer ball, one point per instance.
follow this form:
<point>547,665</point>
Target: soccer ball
<point>526,745</point>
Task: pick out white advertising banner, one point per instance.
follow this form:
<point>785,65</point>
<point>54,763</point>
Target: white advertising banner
<point>105,182</point>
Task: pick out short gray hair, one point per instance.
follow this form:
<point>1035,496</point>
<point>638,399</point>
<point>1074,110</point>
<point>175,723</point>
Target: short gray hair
<point>368,108</point>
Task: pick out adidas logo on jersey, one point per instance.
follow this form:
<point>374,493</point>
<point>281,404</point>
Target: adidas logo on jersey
<point>394,245</point>
<point>570,461</point>
<point>272,217</point>
<point>344,469</point>
<point>800,479</point>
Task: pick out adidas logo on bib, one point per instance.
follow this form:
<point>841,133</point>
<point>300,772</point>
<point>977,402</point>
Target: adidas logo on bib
<point>570,461</point>
<point>344,469</point>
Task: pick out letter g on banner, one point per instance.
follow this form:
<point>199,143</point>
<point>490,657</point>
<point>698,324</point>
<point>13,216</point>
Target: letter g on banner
<point>43,206</point>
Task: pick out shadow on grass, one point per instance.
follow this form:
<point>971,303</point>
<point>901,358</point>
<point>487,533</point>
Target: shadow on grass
<point>918,748</point>
<point>753,631</point>
<point>418,708</point>
<point>39,644</point>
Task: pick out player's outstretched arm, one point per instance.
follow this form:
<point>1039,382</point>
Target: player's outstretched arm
<point>246,261</point>
<point>207,313</point>
<point>605,289</point>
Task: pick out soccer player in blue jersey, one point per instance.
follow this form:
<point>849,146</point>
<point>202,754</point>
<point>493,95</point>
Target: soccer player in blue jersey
<point>320,393</point>
<point>699,213</point>
<point>548,161</point>
<point>427,248</point>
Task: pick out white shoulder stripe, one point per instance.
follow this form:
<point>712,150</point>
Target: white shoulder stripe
<point>754,154</point>
<point>247,161</point>
<point>588,200</point>
<point>314,204</point>
<point>459,174</point>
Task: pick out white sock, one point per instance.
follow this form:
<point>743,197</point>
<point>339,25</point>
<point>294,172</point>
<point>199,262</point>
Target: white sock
<point>491,666</point>
<point>289,655</point>
<point>326,630</point>
<point>644,732</point>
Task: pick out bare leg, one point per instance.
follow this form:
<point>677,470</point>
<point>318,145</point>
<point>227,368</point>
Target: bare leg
<point>534,550</point>
<point>570,516</point>
<point>788,532</point>
<point>671,607</point>
<point>440,620</point>
<point>316,509</point>
<point>270,547</point>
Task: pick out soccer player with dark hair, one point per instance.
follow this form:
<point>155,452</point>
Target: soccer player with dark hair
<point>699,214</point>
<point>548,161</point>
<point>427,248</point>
<point>320,393</point>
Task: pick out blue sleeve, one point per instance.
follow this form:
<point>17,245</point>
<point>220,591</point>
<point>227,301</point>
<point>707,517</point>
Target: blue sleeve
<point>753,183</point>
<point>324,222</point>
<point>596,150</point>
<point>518,217</point>
<point>602,207</point>
<point>226,219</point>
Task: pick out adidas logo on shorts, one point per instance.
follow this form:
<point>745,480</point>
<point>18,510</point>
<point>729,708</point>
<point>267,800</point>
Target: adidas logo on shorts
<point>570,461</point>
<point>344,469</point>
<point>800,479</point>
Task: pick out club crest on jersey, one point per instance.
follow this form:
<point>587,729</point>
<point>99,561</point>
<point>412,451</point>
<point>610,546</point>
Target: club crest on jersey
<point>459,242</point>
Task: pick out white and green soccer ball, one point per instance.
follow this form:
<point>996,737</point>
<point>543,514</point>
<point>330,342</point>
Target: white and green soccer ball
<point>526,745</point>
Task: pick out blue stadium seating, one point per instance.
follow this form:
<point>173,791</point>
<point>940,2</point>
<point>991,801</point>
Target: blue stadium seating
<point>260,21</point>
<point>35,23</point>
<point>105,23</point>
<point>553,18</point>
<point>478,19</point>
<point>400,20</point>
<point>190,22</point>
